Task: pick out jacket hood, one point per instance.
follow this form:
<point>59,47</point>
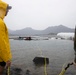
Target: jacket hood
<point>3,8</point>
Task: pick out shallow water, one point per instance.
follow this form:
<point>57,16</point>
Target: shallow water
<point>59,52</point>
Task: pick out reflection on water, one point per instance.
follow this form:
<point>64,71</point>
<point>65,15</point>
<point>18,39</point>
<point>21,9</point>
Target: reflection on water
<point>58,52</point>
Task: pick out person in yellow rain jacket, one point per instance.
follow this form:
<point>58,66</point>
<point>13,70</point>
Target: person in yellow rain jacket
<point>5,52</point>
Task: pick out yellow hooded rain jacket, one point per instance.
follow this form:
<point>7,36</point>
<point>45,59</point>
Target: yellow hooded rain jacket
<point>5,53</point>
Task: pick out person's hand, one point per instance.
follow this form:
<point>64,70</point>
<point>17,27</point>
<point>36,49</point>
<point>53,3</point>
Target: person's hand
<point>8,63</point>
<point>74,63</point>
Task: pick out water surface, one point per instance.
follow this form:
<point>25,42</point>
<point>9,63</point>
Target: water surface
<point>59,52</point>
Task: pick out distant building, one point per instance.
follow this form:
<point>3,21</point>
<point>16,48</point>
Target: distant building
<point>69,36</point>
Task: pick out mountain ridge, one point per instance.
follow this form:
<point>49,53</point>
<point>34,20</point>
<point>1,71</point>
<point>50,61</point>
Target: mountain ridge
<point>48,30</point>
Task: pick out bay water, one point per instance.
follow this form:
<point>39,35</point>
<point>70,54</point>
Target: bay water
<point>59,52</point>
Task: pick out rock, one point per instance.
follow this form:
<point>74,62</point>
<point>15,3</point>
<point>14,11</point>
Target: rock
<point>13,71</point>
<point>41,60</point>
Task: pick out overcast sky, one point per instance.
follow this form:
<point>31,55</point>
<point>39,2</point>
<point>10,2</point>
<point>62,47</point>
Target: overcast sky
<point>40,14</point>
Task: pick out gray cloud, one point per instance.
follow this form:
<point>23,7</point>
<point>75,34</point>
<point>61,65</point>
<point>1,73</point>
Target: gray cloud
<point>40,14</point>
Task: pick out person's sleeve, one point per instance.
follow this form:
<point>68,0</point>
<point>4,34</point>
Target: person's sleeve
<point>5,53</point>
